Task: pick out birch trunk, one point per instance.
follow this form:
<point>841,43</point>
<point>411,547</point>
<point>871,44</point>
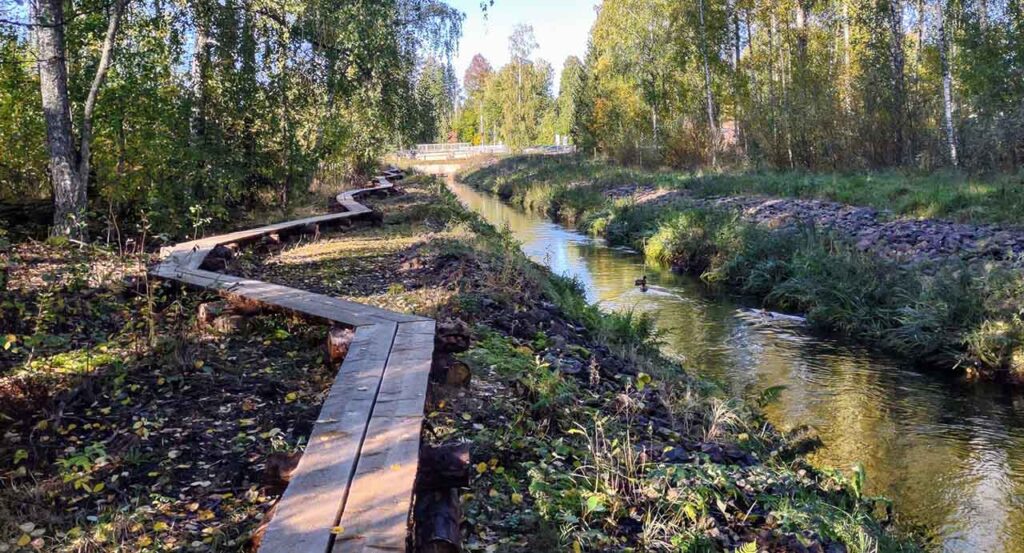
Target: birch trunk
<point>899,80</point>
<point>69,199</point>
<point>712,127</point>
<point>947,89</point>
<point>106,55</point>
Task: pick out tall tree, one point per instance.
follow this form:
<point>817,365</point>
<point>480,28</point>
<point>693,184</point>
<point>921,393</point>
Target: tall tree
<point>475,81</point>
<point>69,195</point>
<point>947,85</point>
<point>568,93</point>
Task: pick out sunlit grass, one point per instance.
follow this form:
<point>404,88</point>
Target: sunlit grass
<point>569,185</point>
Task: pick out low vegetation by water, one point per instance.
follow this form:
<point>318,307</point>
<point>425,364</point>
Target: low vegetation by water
<point>941,314</point>
<point>553,184</point>
<point>583,436</point>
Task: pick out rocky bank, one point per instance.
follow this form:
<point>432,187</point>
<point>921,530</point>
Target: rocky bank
<point>918,241</point>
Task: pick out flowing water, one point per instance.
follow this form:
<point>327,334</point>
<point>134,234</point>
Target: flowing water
<point>950,455</point>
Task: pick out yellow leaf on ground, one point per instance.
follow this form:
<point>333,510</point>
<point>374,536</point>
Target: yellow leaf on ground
<point>338,530</point>
<point>24,540</point>
<point>481,468</point>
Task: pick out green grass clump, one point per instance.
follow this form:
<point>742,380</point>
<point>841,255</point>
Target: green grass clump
<point>950,316</point>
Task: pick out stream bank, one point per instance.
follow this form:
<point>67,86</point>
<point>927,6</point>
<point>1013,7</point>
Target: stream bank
<point>943,294</point>
<point>139,428</point>
<point>950,454</point>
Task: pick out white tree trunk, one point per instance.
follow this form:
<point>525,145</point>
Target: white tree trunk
<point>712,126</point>
<point>69,199</point>
<point>947,88</point>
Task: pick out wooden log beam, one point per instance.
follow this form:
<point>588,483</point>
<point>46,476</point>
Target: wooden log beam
<point>442,467</point>
<point>437,519</point>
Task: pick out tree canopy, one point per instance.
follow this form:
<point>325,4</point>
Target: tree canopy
<point>515,105</point>
<point>819,84</point>
<point>213,105</point>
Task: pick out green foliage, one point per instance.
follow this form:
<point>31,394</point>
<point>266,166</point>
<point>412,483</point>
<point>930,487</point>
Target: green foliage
<point>546,388</point>
<point>945,194</point>
<point>630,332</point>
<point>231,106</point>
<point>947,318</point>
<point>514,105</point>
<point>786,84</point>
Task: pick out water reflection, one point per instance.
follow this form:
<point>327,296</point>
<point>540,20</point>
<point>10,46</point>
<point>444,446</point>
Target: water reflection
<point>950,456</point>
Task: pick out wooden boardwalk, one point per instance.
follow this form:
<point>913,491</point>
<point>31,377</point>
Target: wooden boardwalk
<point>352,490</point>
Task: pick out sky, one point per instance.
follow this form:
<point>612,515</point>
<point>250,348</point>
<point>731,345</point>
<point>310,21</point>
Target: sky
<point>561,28</point>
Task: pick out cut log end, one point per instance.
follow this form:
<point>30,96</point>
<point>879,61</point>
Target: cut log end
<point>338,341</point>
<point>452,336</point>
<point>209,311</point>
<point>448,370</point>
<point>442,467</point>
<point>278,471</point>
<point>230,323</point>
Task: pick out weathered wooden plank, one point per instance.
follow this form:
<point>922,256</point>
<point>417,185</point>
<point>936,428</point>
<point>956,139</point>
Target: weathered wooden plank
<point>369,426</point>
<point>274,295</point>
<point>376,514</point>
<point>312,503</point>
<point>253,233</point>
<point>346,199</point>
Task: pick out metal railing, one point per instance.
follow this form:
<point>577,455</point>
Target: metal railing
<point>458,150</point>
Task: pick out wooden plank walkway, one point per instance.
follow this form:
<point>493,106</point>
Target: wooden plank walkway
<point>352,490</point>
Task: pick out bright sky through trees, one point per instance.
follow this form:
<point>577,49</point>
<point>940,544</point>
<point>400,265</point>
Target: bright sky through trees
<point>561,28</point>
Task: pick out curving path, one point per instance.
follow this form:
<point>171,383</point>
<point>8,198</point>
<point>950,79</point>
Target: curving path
<point>352,490</point>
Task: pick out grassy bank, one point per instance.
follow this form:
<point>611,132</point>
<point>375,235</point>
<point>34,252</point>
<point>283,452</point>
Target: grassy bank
<point>129,428</point>
<point>966,317</point>
<point>572,185</point>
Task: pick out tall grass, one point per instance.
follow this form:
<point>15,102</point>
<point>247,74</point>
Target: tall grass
<point>949,315</point>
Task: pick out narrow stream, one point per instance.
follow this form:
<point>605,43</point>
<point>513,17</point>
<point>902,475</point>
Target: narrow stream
<point>950,455</point>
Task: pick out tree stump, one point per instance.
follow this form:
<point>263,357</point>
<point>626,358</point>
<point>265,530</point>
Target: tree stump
<point>230,323</point>
<point>245,306</point>
<point>312,229</point>
<point>445,368</point>
<point>278,471</point>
